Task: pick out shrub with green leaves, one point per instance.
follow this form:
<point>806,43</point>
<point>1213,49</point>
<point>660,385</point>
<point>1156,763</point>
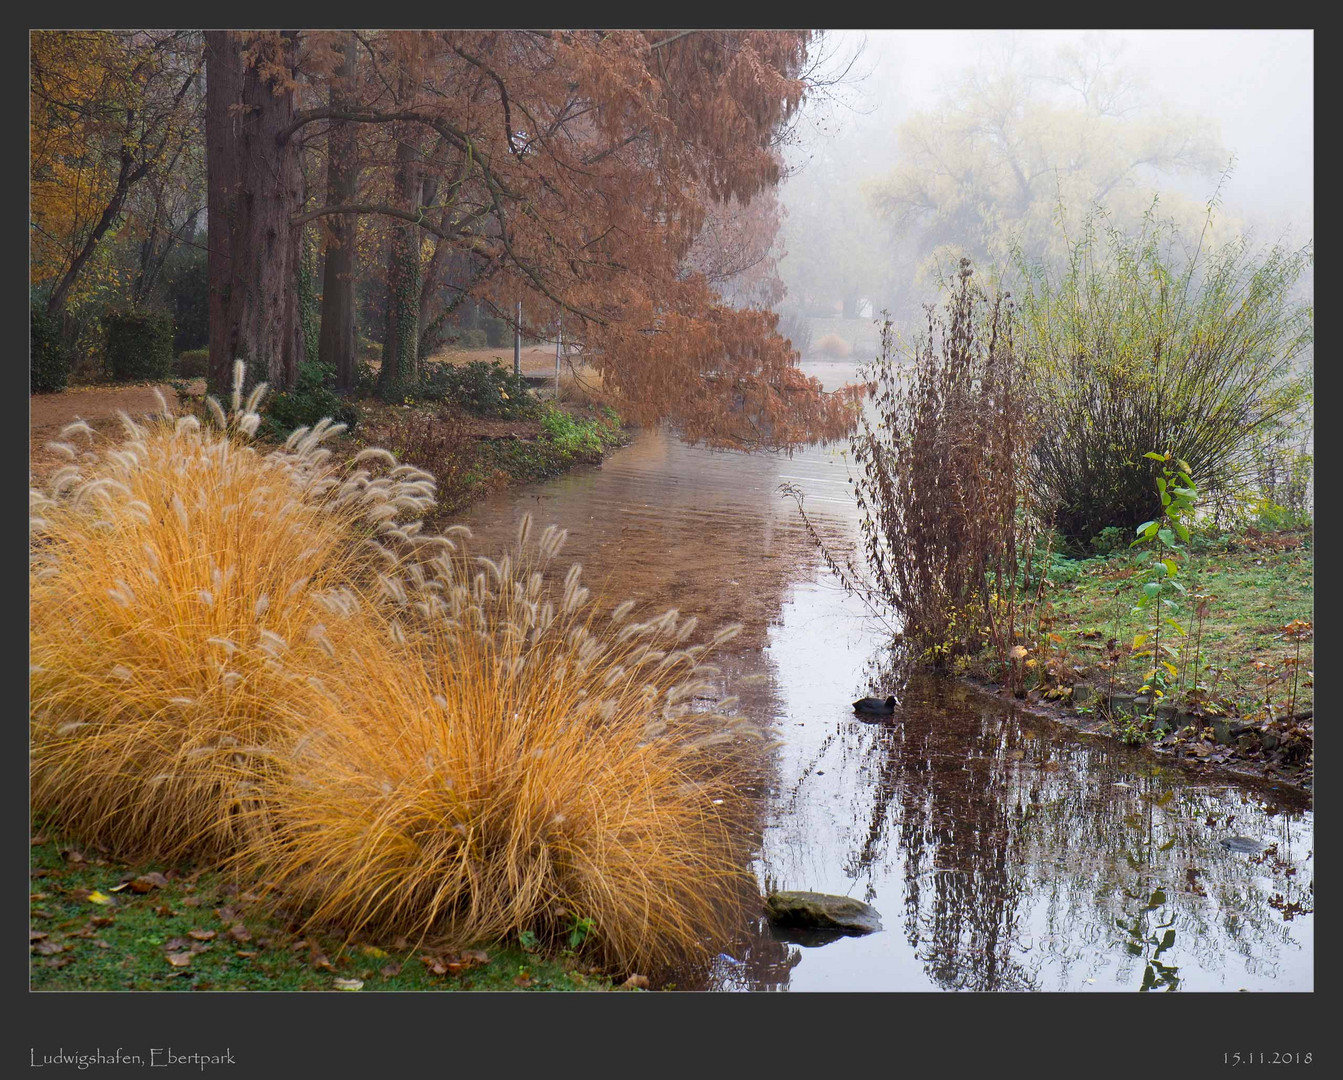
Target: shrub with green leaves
<point>192,364</point>
<point>1139,345</point>
<point>479,388</point>
<point>312,399</point>
<point>49,366</point>
<point>139,345</point>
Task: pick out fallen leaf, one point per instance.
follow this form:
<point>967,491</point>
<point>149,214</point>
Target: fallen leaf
<point>226,914</point>
<point>238,932</point>
<point>35,897</point>
<point>102,920</point>
<point>524,980</point>
<point>372,950</point>
<point>476,956</point>
<point>245,954</point>
<point>36,935</point>
<point>202,935</point>
<point>163,909</point>
<point>60,961</point>
<point>635,982</point>
<point>391,971</point>
<point>145,882</point>
<point>70,855</point>
<point>191,901</point>
<point>434,964</point>
<point>96,897</point>
<point>179,959</point>
<point>349,984</point>
<point>48,948</point>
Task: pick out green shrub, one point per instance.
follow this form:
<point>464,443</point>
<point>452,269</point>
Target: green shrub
<point>469,339</point>
<point>1139,345</point>
<point>1109,540</point>
<point>187,284</point>
<point>312,399</point>
<point>139,345</point>
<point>485,389</point>
<point>192,364</point>
<point>48,363</point>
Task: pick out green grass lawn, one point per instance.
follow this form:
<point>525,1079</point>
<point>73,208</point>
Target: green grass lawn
<point>100,924</point>
<point>1255,584</point>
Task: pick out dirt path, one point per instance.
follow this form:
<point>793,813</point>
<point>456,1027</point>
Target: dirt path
<point>97,405</point>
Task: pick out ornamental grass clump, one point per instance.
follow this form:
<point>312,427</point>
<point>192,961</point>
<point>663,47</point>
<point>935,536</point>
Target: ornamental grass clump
<point>510,761</point>
<point>169,577</point>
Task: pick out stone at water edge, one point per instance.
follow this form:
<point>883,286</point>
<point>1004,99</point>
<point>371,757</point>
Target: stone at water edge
<point>1245,844</point>
<point>820,911</point>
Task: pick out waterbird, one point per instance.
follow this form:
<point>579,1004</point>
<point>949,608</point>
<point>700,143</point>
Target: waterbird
<point>874,705</point>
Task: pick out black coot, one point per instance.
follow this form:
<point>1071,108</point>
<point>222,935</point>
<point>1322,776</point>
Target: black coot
<point>874,705</point>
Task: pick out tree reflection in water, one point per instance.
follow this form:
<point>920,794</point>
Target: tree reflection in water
<point>1023,857</point>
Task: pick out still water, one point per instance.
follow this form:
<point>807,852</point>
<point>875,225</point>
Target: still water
<point>1002,851</point>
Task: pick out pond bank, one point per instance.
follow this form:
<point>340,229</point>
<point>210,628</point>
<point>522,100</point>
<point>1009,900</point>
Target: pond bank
<point>1242,696</point>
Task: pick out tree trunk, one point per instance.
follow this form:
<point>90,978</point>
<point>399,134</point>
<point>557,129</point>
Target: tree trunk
<point>336,342</point>
<point>127,176</point>
<point>257,183</point>
<point>401,345</point>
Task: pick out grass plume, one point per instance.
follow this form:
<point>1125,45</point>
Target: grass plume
<point>540,765</point>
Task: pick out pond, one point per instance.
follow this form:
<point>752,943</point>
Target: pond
<point>1003,851</point>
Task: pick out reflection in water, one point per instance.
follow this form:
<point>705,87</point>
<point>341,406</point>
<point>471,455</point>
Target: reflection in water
<point>1003,852</point>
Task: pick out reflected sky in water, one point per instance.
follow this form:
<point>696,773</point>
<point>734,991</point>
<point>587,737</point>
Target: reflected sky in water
<point>1003,851</point>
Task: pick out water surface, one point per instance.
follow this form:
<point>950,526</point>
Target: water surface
<point>1003,851</point>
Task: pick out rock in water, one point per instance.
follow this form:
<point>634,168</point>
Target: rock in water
<point>1246,844</point>
<point>820,911</point>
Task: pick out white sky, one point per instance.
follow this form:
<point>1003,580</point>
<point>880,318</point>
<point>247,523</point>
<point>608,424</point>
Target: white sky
<point>1258,85</point>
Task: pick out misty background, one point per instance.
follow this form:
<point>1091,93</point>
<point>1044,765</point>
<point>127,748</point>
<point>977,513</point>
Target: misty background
<point>929,145</point>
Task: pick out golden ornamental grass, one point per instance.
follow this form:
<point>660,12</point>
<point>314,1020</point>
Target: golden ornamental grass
<point>536,765</point>
<point>168,575</point>
<point>254,656</point>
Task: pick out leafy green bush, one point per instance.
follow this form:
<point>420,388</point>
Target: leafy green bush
<point>485,389</point>
<point>1139,345</point>
<point>187,284</point>
<point>498,333</point>
<point>48,364</point>
<point>575,436</point>
<point>471,339</point>
<point>139,345</point>
<point>1109,540</point>
<point>312,399</point>
<point>192,364</point>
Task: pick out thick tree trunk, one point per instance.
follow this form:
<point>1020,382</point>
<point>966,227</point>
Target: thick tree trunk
<point>336,342</point>
<point>223,89</point>
<point>257,183</point>
<point>401,344</point>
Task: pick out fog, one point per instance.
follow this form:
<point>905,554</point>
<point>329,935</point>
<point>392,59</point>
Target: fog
<point>924,143</point>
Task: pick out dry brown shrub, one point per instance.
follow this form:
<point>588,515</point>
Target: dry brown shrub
<point>833,346</point>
